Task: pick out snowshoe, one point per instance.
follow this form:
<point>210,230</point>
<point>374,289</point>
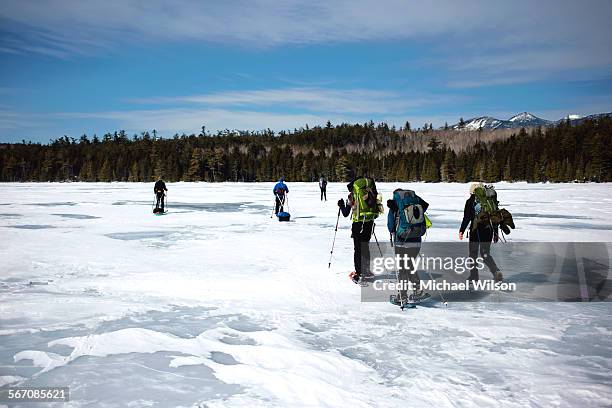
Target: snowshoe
<point>418,296</point>
<point>403,304</point>
<point>355,277</point>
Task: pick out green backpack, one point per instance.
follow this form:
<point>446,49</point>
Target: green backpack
<point>488,212</point>
<point>367,201</point>
<point>485,205</point>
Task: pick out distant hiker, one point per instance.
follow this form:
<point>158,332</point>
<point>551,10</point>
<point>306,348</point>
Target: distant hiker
<point>364,203</point>
<point>280,190</point>
<point>477,214</point>
<point>407,223</point>
<point>159,189</point>
<point>323,187</point>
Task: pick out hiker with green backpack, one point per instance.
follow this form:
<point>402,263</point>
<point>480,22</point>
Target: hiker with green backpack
<point>482,214</point>
<point>365,205</point>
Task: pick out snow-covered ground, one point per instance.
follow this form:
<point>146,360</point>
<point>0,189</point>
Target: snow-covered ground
<point>217,304</point>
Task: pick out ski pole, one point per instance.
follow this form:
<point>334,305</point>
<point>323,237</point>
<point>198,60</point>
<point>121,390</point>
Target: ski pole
<point>331,253</point>
<point>376,239</point>
<point>441,296</point>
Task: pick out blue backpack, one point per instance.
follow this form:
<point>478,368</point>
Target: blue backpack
<point>410,220</point>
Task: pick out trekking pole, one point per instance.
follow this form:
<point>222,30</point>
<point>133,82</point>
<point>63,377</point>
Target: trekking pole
<point>166,203</point>
<point>376,239</point>
<point>441,296</point>
<point>331,253</point>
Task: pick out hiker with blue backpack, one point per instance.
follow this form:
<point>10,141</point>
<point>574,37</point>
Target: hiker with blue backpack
<point>364,203</point>
<point>280,191</point>
<point>482,215</point>
<point>407,223</point>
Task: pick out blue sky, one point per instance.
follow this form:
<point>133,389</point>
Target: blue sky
<point>73,67</point>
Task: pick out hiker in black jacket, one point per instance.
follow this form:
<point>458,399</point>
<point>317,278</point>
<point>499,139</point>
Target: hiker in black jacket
<point>159,189</point>
<point>480,236</point>
<point>323,187</point>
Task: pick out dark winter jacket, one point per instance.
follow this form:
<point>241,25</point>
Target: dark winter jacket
<point>346,208</point>
<point>159,186</point>
<point>323,183</point>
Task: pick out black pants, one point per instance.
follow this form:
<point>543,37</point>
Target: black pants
<point>361,232</point>
<point>280,202</point>
<point>405,269</point>
<point>324,193</point>
<point>160,200</point>
<point>480,243</point>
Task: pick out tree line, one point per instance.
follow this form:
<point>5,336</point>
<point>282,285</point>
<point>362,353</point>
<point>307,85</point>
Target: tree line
<point>562,153</point>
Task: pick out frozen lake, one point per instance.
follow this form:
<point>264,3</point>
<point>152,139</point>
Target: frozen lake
<point>217,304</point>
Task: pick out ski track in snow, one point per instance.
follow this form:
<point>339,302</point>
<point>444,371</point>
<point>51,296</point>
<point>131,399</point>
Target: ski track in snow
<point>217,304</point>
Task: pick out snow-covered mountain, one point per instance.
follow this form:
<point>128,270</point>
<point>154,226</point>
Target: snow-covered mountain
<point>527,119</point>
<point>484,122</point>
<point>521,120</point>
<point>577,119</point>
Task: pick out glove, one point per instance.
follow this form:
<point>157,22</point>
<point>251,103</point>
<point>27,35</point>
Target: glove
<point>341,203</point>
<point>392,205</point>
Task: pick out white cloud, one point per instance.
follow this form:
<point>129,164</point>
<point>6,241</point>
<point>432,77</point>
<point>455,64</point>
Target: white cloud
<point>277,109</point>
<point>75,26</point>
<point>170,121</point>
<point>354,101</point>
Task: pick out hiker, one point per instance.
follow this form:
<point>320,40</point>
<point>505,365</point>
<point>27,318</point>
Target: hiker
<point>364,204</point>
<point>280,190</point>
<point>407,223</point>
<point>159,189</point>
<point>480,233</point>
<point>323,187</point>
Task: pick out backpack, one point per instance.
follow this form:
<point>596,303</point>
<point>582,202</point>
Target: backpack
<point>486,208</point>
<point>410,218</point>
<point>486,200</point>
<point>368,203</point>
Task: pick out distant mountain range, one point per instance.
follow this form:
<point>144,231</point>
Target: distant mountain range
<point>521,120</point>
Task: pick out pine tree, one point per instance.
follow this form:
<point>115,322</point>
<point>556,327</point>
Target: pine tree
<point>430,171</point>
<point>106,173</point>
<point>448,169</point>
<point>342,169</point>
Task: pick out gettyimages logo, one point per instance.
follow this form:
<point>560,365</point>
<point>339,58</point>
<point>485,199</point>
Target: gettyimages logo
<point>459,265</point>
